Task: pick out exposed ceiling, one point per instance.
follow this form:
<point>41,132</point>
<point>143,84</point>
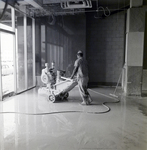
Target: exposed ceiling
<point>50,9</point>
<point>40,8</point>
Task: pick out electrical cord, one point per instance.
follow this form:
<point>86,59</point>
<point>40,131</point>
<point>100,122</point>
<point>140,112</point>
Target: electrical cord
<point>108,109</point>
<point>103,9</point>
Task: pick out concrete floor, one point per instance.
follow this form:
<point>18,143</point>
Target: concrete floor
<point>67,125</point>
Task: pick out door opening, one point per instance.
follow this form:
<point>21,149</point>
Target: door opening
<point>144,72</point>
<point>7,63</point>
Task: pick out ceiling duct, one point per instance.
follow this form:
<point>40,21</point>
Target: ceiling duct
<point>76,4</point>
<point>34,3</point>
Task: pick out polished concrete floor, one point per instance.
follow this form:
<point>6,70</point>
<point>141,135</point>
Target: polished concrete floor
<point>67,125</point>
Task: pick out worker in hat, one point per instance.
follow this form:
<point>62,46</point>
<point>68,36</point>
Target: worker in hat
<point>81,69</point>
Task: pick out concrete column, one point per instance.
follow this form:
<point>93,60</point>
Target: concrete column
<point>144,76</point>
<point>136,3</point>
<point>0,72</point>
<point>134,48</point>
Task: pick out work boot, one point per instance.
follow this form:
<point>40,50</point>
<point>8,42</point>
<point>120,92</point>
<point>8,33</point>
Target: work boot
<point>87,102</point>
<point>84,103</point>
<point>89,99</point>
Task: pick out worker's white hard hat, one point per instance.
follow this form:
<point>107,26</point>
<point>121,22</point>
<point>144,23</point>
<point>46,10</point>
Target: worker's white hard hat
<point>79,52</point>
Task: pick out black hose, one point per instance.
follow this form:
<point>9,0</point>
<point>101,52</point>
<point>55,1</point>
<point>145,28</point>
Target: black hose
<point>61,112</point>
<point>6,4</point>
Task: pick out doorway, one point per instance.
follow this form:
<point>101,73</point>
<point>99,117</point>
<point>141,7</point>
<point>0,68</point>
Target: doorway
<point>7,60</point>
<point>144,73</point>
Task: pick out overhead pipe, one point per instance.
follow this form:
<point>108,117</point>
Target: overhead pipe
<point>103,9</point>
<point>4,10</point>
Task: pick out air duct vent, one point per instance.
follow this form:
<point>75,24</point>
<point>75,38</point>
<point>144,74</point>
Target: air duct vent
<point>76,4</point>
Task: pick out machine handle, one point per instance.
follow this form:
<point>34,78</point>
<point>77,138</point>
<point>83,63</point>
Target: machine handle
<point>66,78</point>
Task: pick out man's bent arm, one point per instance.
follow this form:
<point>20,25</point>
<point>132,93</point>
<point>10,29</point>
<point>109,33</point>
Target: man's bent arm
<point>74,72</point>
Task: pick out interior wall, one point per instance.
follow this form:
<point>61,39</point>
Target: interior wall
<point>105,48</point>
<point>102,40</point>
<point>67,33</point>
<point>20,55</point>
<point>144,73</point>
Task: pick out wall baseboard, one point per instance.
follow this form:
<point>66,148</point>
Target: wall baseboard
<point>97,84</point>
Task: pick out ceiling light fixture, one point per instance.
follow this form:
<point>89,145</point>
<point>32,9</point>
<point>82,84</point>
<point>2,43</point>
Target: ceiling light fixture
<point>76,4</point>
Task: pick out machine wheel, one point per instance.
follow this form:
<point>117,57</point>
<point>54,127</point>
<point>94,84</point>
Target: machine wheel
<point>44,78</point>
<point>66,95</point>
<point>52,98</point>
<point>63,96</point>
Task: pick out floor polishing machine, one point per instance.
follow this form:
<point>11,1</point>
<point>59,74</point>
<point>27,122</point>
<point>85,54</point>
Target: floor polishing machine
<point>56,87</point>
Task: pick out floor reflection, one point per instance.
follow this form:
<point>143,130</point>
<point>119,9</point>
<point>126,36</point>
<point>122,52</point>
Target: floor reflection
<point>123,128</point>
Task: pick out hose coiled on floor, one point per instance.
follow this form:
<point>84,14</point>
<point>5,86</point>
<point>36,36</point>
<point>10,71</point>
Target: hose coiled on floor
<point>62,112</point>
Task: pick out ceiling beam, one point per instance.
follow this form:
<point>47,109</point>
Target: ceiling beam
<point>34,4</point>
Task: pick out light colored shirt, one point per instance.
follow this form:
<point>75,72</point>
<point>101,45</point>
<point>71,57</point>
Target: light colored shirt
<point>82,67</point>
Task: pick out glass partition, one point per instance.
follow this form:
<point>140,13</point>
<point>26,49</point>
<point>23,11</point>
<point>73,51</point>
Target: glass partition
<point>7,63</point>
<point>24,52</point>
<point>20,54</point>
<point>17,40</point>
<point>29,53</point>
<point>7,50</point>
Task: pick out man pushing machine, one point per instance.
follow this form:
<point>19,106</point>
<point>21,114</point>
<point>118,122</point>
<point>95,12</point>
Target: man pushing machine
<point>81,69</point>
